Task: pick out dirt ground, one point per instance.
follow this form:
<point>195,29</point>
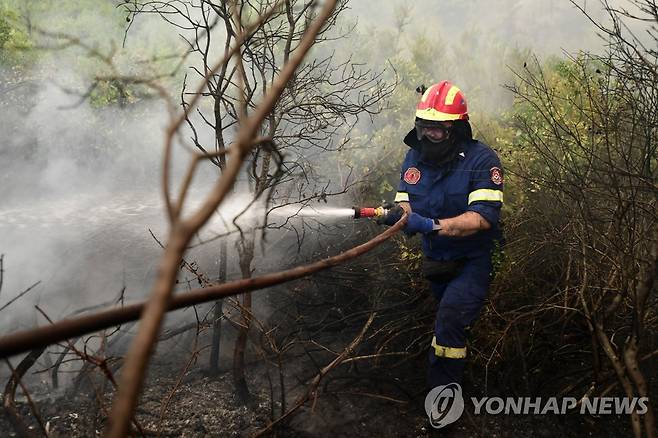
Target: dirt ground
<point>205,405</point>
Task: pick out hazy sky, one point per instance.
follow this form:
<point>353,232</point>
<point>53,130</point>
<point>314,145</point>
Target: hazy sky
<point>547,26</point>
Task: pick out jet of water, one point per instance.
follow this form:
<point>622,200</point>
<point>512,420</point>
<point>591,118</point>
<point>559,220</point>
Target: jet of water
<point>313,211</point>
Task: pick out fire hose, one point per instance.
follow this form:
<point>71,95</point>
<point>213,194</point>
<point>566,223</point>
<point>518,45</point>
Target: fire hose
<point>27,340</point>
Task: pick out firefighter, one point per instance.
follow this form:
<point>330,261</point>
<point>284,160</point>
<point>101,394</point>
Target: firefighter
<point>452,187</point>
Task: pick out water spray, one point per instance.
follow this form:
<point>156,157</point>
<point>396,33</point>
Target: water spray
<point>332,212</point>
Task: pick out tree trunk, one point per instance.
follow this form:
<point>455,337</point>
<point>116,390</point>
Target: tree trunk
<point>217,316</point>
<point>239,380</point>
<point>246,252</point>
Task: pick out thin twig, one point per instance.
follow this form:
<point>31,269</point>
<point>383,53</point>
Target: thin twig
<point>17,375</point>
<point>19,295</point>
<point>2,270</point>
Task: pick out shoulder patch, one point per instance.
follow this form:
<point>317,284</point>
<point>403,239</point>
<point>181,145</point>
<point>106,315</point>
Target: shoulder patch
<point>412,176</point>
<point>496,175</point>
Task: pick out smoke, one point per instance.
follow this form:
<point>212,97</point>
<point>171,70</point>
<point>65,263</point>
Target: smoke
<point>81,173</point>
<point>477,44</point>
<point>547,27</point>
<point>80,177</point>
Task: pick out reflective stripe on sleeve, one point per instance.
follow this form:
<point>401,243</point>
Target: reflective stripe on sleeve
<point>449,352</point>
<point>485,195</point>
<point>401,197</point>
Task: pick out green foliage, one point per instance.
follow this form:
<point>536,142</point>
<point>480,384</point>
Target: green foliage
<point>14,41</point>
<point>112,92</point>
<point>5,29</point>
<point>410,255</point>
<point>87,38</point>
<point>497,258</point>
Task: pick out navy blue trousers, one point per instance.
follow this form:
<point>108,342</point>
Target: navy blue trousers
<point>459,303</point>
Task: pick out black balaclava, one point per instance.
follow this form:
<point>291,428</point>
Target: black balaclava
<point>445,151</point>
<point>439,153</point>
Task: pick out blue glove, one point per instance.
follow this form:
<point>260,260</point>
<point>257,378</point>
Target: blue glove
<point>418,224</point>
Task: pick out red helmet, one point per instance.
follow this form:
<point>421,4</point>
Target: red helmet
<point>442,102</point>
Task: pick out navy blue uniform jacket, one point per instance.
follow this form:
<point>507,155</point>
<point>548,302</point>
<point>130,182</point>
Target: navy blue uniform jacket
<point>472,182</point>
